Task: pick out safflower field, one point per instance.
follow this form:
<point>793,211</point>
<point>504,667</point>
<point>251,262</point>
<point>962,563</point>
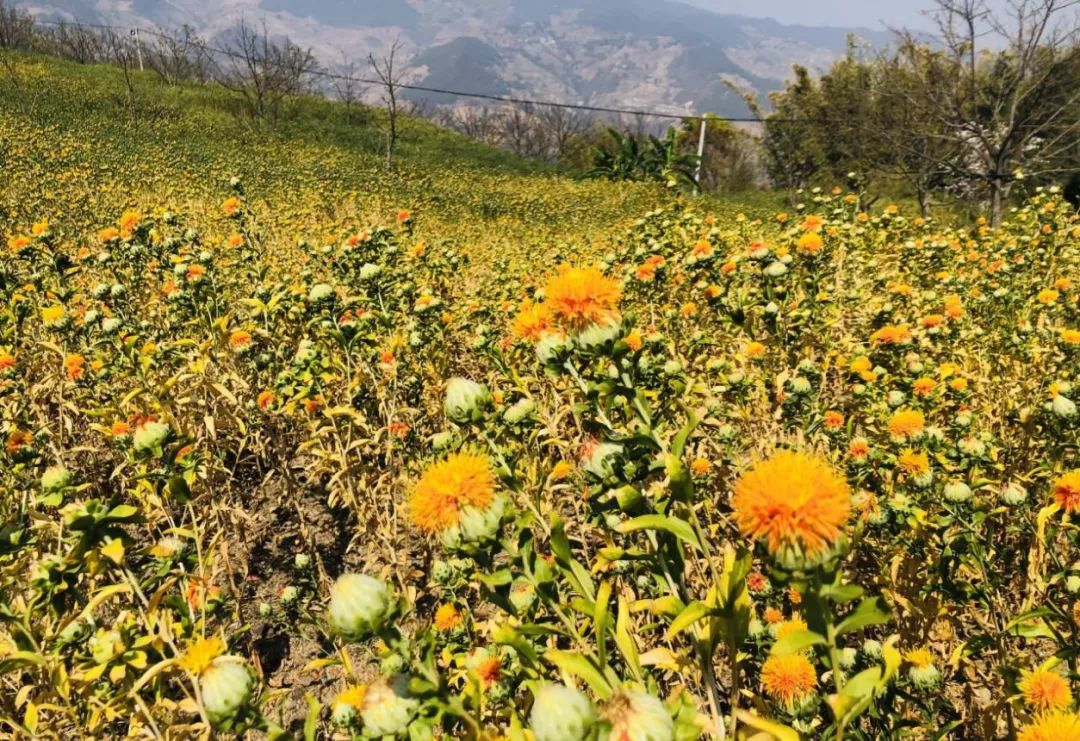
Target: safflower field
<point>295,447</point>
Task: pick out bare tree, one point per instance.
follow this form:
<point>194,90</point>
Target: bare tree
<point>74,42</point>
<point>479,123</point>
<point>265,72</point>
<point>388,70</point>
<point>347,88</point>
<point>1007,91</point>
<point>561,126</point>
<point>17,28</point>
<point>180,57</point>
<point>521,132</point>
<point>119,49</point>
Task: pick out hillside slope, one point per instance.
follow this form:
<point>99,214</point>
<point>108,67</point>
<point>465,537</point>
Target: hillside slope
<point>70,144</point>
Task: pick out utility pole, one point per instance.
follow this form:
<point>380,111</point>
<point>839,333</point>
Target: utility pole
<point>700,154</point>
<point>138,47</point>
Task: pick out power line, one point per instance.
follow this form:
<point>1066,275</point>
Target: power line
<point>427,89</point>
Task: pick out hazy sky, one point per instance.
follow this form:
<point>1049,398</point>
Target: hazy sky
<point>870,13</point>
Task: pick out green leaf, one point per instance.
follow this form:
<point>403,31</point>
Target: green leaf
<point>311,723</point>
<point>573,662</point>
<point>681,529</point>
<point>690,614</point>
<point>601,618</point>
<point>678,445</point>
<point>777,731</point>
<point>842,593</point>
<point>871,611</point>
<point>179,491</point>
<point>500,578</point>
<point>857,694</point>
<point>20,660</point>
<point>624,639</point>
<point>796,642</point>
<point>560,544</point>
<point>122,513</point>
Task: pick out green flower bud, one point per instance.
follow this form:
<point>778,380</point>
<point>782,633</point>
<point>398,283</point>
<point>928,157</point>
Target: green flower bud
<point>226,687</point>
<point>597,337</point>
<point>320,293</point>
<point>388,708</point>
<point>638,716</point>
<point>925,677</point>
<point>957,491</point>
<point>1063,407</point>
<point>475,525</point>
<point>561,713</point>
<point>150,436</point>
<point>465,400</point>
<point>359,606</point>
<point>1013,494</point>
<point>519,411</point>
<point>55,478</point>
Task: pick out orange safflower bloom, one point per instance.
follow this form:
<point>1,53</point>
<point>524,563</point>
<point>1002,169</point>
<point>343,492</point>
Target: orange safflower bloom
<point>1047,296</point>
<point>403,215</point>
<point>264,400</point>
<point>634,340</point>
<point>234,240</point>
<point>195,271</point>
<point>6,361</point>
<point>447,617</point>
<point>1058,725</point>
<point>120,428</point>
<point>809,243</point>
<point>728,267</point>
<point>954,309</point>
<point>230,205</point>
<point>531,322</point>
<point>858,449</point>
<point>578,297</point>
<point>108,234</point>
<point>1066,491</point>
<point>1045,690</point>
<point>923,386</point>
<point>702,248</point>
<point>812,223</point>
<point>754,349</point>
<point>792,499</point>
<point>833,420</point>
<point>913,463</point>
<point>1070,336</point>
<point>240,340</point>
<point>772,616</point>
<point>74,366</point>
<point>447,487</point>
<point>18,243</point>
<point>891,334</point>
<point>906,423</point>
<point>561,470</point>
<point>18,440</point>
<point>645,272</point>
<point>701,466</point>
<point>787,679</point>
<point>128,221</point>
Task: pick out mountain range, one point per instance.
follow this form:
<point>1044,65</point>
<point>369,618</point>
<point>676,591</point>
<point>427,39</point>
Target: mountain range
<point>655,54</point>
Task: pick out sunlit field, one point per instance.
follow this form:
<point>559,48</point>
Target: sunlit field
<point>300,446</point>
